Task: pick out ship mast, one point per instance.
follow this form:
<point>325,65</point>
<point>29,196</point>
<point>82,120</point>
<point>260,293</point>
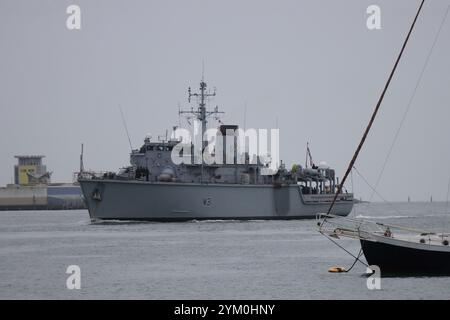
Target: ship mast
<point>202,113</point>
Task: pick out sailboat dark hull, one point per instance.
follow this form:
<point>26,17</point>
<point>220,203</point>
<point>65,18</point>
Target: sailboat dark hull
<point>397,259</point>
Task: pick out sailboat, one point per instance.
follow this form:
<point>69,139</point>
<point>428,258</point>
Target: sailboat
<point>393,249</point>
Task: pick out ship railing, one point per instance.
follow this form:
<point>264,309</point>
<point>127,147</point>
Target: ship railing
<point>323,196</point>
<point>89,175</point>
<point>358,228</point>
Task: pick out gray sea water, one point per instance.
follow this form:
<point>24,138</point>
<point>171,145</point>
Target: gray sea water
<point>198,260</point>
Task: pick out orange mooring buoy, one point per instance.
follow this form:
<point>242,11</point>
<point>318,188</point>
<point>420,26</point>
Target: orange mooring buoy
<point>337,269</point>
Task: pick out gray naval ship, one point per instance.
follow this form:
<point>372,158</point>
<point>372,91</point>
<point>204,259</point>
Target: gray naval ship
<point>154,188</point>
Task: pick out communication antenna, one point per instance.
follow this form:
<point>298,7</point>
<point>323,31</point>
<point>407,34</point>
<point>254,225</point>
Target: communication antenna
<point>202,113</point>
<point>81,160</point>
<point>126,128</point>
<point>245,116</point>
<point>203,70</point>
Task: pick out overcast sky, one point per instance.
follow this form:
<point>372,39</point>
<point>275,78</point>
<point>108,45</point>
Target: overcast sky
<point>314,65</point>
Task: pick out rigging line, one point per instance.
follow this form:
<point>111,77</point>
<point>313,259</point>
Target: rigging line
<point>377,107</point>
<point>446,205</point>
<point>375,191</point>
<point>419,81</point>
<point>448,192</point>
<point>353,192</point>
<point>337,244</point>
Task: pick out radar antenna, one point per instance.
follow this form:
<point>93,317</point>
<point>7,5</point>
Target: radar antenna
<point>202,114</point>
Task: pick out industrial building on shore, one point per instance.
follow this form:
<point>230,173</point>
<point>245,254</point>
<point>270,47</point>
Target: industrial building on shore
<point>33,190</point>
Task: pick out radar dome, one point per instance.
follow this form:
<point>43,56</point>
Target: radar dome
<point>323,165</point>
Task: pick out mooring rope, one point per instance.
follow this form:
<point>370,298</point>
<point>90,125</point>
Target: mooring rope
<point>357,258</point>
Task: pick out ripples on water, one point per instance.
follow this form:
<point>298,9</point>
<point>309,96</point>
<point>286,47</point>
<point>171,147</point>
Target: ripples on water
<point>199,259</point>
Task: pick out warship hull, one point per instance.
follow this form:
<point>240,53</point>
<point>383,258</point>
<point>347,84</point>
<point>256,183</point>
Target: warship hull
<point>158,201</point>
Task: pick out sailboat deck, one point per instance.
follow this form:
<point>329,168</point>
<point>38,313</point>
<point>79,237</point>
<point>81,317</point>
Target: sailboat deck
<point>362,229</point>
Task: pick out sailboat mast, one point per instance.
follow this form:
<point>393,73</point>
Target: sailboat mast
<point>374,114</point>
